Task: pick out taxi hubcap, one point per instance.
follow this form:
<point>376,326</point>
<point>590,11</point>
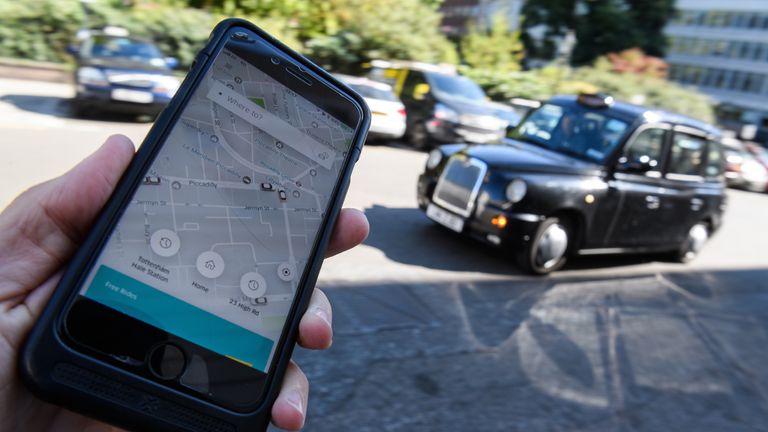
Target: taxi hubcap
<point>697,236</point>
<point>552,246</point>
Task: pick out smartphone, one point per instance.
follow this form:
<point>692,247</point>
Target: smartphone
<point>181,308</point>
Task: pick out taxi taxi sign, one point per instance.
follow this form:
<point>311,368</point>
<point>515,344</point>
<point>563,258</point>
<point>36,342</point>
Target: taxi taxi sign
<point>595,100</point>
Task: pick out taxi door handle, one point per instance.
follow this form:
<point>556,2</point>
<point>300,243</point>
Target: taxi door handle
<point>652,202</point>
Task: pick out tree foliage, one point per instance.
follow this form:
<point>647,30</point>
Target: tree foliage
<point>544,83</point>
<point>495,48</point>
<point>363,30</point>
<point>601,26</point>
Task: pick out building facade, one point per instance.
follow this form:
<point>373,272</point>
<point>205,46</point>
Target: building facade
<point>721,48</point>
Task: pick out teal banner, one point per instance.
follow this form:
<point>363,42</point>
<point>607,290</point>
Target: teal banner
<point>141,301</point>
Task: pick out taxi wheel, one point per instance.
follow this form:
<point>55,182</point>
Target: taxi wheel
<point>79,110</point>
<point>418,136</point>
<point>548,250</point>
<point>694,241</point>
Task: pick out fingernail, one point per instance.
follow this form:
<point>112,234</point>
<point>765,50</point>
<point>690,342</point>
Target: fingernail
<point>322,314</point>
<point>294,398</point>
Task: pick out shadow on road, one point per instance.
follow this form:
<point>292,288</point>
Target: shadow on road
<point>61,107</point>
<point>406,235</point>
<point>670,351</point>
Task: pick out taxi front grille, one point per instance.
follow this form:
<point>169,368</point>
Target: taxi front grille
<point>459,184</point>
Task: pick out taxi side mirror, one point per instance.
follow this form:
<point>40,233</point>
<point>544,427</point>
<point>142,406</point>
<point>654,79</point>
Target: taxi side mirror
<point>420,91</point>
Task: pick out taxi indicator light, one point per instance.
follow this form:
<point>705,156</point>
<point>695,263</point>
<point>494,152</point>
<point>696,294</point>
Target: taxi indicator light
<point>499,221</point>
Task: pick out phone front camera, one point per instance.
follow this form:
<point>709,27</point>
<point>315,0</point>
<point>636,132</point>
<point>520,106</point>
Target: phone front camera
<point>275,60</point>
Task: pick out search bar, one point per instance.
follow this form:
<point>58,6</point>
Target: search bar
<point>285,132</point>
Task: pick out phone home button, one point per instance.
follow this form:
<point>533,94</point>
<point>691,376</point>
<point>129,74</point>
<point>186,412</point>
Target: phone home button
<point>167,361</point>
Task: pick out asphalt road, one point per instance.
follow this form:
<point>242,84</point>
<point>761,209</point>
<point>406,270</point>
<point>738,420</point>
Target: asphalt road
<point>434,332</point>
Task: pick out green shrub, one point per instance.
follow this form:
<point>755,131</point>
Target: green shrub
<point>38,29</point>
<point>42,29</point>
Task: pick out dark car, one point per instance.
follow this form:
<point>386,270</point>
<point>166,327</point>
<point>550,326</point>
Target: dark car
<point>583,175</point>
<point>441,106</point>
<point>118,73</point>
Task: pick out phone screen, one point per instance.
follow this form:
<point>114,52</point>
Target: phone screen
<point>215,240</point>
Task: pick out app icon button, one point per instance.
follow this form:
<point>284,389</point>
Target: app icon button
<point>286,272</point>
<point>165,242</point>
<point>210,264</point>
<point>253,285</point>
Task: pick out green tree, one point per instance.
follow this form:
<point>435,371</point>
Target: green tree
<point>650,17</point>
<point>363,30</point>
<point>495,48</point>
<point>601,26</point>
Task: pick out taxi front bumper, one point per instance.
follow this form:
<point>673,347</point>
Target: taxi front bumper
<point>498,227</point>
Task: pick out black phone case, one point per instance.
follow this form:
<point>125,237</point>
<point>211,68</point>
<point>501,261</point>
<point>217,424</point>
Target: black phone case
<point>57,373</point>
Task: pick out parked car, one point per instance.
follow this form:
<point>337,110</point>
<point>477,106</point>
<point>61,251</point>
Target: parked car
<point>441,106</point>
<point>387,112</point>
<point>760,154</point>
<point>118,73</point>
<point>582,175</point>
<point>743,168</point>
<point>506,113</point>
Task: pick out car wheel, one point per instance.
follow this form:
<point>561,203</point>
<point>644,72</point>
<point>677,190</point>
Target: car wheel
<point>694,241</point>
<point>418,136</point>
<point>78,109</point>
<point>548,250</point>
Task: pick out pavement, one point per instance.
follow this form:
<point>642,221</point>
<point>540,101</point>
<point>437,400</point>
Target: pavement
<point>434,332</point>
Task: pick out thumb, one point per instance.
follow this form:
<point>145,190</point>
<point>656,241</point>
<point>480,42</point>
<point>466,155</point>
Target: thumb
<point>43,226</point>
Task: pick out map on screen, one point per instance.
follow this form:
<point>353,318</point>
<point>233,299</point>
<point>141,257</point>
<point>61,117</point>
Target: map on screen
<point>214,242</point>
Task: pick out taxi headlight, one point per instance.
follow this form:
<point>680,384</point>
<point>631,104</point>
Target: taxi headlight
<point>516,190</point>
<point>92,76</point>
<point>435,156</point>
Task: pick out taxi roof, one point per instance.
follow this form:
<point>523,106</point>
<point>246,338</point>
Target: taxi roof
<point>632,113</point>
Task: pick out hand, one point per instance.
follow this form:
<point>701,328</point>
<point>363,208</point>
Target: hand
<point>39,232</point>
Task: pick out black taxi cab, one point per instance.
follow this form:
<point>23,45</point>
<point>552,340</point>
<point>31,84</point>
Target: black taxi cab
<point>583,175</point>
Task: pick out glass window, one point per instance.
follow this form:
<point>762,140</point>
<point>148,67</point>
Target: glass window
<point>733,49</point>
<point>719,78</point>
<point>714,159</point>
<point>753,21</point>
<point>750,82</point>
<point>646,147</point>
<point>575,130</point>
<point>709,78</point>
<point>456,87</point>
<point>698,18</point>
<point>687,155</point>
<point>743,50</point>
<point>122,48</point>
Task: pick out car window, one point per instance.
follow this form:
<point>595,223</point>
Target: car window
<point>649,143</point>
<point>120,47</point>
<point>575,130</point>
<point>456,87</point>
<point>687,154</point>
<point>715,159</point>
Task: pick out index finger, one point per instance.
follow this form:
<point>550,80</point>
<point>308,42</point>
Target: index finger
<point>351,229</point>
